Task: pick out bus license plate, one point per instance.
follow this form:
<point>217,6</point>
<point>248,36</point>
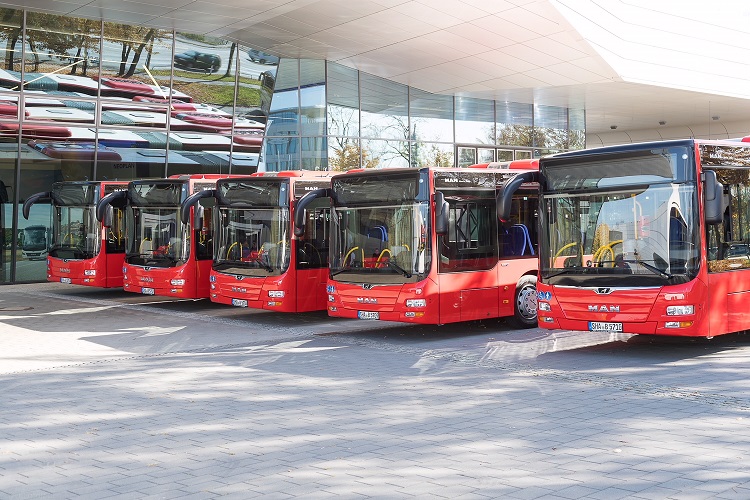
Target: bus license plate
<point>147,291</point>
<point>239,302</point>
<point>66,280</point>
<point>600,326</point>
<point>368,315</point>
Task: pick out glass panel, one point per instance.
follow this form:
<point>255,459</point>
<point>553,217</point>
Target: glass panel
<point>467,156</point>
<point>431,116</point>
<point>314,151</point>
<point>577,129</point>
<point>475,121</point>
<point>386,154</point>
<point>344,154</point>
<point>384,108</point>
<point>283,116</point>
<point>504,155</point>
<point>281,153</point>
<point>312,97</point>
<point>10,50</point>
<point>430,154</point>
<point>131,154</point>
<point>62,53</point>
<point>523,154</point>
<point>514,124</point>
<point>343,101</point>
<point>136,65</point>
<point>8,158</point>
<point>38,172</point>
<point>485,155</point>
<point>551,127</point>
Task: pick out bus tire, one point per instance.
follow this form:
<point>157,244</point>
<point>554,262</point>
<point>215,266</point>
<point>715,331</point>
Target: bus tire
<point>525,305</point>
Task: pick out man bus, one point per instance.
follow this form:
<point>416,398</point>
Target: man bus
<point>164,255</point>
<point>258,261</point>
<point>646,238</point>
<point>426,246</point>
<point>82,251</point>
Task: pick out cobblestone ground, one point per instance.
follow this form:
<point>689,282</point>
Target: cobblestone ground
<point>109,394</point>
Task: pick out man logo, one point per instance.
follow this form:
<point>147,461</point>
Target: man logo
<point>604,308</point>
<point>603,291</point>
<point>367,286</point>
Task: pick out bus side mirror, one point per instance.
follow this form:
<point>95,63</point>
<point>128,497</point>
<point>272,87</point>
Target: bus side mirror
<point>441,213</point>
<point>109,215</point>
<point>715,201</point>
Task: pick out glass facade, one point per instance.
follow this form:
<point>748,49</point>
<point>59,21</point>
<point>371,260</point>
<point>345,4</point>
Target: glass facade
<point>82,99</point>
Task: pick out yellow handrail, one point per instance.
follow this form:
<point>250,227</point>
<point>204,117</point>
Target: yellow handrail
<point>377,261</point>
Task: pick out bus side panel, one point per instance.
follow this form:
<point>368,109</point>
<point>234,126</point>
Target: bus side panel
<point>466,296</point>
<point>311,289</point>
<point>728,302</point>
<point>113,268</point>
<point>509,273</point>
<point>202,278</point>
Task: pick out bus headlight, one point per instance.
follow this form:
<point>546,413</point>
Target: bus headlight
<point>544,306</point>
<point>177,282</point>
<point>416,303</point>
<point>89,272</point>
<point>680,310</point>
<point>276,294</point>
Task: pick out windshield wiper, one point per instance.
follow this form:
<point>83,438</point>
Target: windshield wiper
<point>398,268</point>
<point>650,268</point>
<point>343,270</point>
<point>566,271</point>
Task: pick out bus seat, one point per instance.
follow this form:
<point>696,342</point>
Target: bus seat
<point>520,240</point>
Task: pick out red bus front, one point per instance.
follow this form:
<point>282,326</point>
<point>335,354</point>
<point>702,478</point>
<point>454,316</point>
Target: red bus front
<point>166,256</point>
<point>633,242</point>
<point>82,251</point>
<point>258,263</point>
<point>426,246</point>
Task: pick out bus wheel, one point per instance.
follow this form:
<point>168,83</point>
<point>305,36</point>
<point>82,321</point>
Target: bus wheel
<point>524,310</point>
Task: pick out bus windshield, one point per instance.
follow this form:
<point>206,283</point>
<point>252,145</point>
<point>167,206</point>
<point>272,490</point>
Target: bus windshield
<point>380,244</point>
<point>629,230</point>
<point>157,237</point>
<point>253,242</point>
<point>75,233</point>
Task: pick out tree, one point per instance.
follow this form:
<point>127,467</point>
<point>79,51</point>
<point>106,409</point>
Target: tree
<point>231,59</point>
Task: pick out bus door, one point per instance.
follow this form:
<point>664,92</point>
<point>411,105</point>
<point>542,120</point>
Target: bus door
<point>467,259</point>
<point>312,257</point>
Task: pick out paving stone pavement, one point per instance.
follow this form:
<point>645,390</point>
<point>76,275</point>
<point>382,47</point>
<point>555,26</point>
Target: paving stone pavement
<point>108,394</point>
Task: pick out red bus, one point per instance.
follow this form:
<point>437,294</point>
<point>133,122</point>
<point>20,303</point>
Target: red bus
<point>83,252</point>
<point>164,255</point>
<point>646,238</point>
<point>257,261</point>
<point>426,246</point>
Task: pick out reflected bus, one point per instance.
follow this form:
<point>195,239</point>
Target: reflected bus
<point>81,251</point>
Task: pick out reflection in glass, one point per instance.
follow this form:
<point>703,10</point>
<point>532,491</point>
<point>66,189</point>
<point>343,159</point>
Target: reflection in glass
<point>386,154</point>
<point>430,154</point>
<point>475,121</point>
<point>551,127</point>
<point>467,156</point>
<point>345,154</point>
<point>343,100</point>
<point>515,124</point>
<point>384,108</point>
<point>431,116</point>
<point>65,58</point>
